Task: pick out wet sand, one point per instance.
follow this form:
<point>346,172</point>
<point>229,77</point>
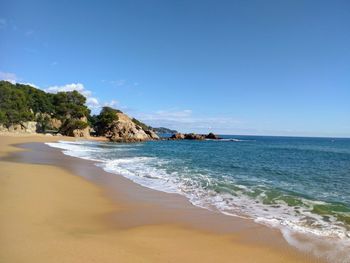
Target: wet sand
<point>56,208</point>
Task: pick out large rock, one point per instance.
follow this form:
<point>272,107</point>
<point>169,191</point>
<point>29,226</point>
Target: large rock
<point>212,136</point>
<point>193,136</point>
<point>81,132</point>
<point>75,128</point>
<point>188,136</point>
<point>3,128</point>
<point>55,123</point>
<point>24,127</point>
<point>177,136</point>
<point>125,130</point>
<point>152,134</point>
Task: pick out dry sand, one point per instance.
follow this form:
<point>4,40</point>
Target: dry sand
<point>47,214</point>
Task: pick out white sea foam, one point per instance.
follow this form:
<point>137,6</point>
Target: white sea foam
<point>228,140</point>
<point>151,172</point>
<point>77,149</point>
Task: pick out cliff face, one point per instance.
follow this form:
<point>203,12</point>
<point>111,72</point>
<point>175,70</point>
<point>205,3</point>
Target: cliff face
<point>125,130</point>
<point>24,127</point>
<point>82,129</point>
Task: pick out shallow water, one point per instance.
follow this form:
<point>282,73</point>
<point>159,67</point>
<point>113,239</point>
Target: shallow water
<point>301,185</point>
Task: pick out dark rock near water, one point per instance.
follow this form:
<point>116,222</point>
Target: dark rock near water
<point>212,136</point>
<point>177,136</point>
<point>193,136</point>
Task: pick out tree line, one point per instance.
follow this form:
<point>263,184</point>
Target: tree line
<point>20,103</point>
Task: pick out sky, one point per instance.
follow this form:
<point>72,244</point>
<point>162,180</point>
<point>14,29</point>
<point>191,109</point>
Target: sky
<point>231,67</point>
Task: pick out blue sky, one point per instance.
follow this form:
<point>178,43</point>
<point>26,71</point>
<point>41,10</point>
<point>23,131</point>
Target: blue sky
<point>232,67</point>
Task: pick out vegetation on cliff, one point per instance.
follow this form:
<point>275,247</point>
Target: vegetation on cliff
<point>141,124</point>
<point>20,103</point>
<point>66,113</point>
<point>163,130</point>
<point>102,122</point>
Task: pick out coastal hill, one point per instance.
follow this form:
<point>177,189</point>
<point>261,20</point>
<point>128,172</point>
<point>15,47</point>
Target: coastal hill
<point>163,130</point>
<point>118,127</point>
<point>24,108</point>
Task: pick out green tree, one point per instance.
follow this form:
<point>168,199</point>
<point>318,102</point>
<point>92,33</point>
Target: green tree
<point>70,105</point>
<point>70,125</point>
<point>13,105</point>
<point>104,120</point>
<point>38,101</point>
<point>3,118</point>
<point>20,103</point>
<point>43,121</point>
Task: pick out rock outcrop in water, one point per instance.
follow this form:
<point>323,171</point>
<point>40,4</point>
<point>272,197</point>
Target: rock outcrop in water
<point>212,136</point>
<point>124,129</point>
<point>177,136</point>
<point>193,136</point>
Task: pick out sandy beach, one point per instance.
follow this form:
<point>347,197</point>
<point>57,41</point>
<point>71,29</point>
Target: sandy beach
<point>56,208</point>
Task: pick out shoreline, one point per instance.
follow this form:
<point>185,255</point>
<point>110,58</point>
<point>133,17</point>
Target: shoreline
<point>132,218</point>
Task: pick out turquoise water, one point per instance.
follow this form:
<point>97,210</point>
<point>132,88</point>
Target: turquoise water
<point>300,184</point>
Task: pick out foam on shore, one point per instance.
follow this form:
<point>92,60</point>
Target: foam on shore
<point>152,172</point>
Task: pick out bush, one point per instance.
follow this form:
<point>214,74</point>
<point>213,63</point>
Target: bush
<point>70,125</point>
<point>2,117</point>
<point>70,105</point>
<point>44,123</point>
<point>141,124</point>
<point>13,105</point>
<point>104,120</point>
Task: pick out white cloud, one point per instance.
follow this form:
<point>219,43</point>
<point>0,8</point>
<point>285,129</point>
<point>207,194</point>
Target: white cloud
<point>92,102</point>
<point>30,84</point>
<point>111,103</point>
<point>10,77</point>
<point>70,87</point>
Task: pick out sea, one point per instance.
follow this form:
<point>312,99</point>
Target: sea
<point>299,185</point>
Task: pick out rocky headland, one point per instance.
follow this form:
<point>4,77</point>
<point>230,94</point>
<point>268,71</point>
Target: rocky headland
<point>163,130</point>
<point>26,109</point>
<point>124,129</point>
